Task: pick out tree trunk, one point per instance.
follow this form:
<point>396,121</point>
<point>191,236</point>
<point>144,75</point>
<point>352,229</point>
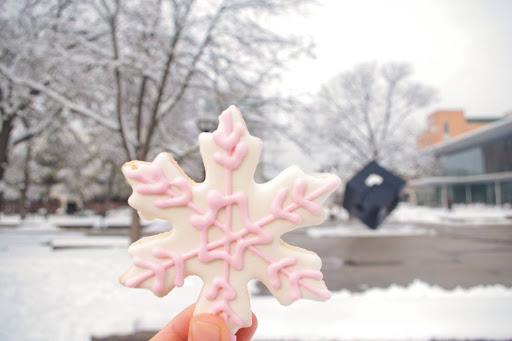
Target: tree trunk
<point>107,198</point>
<point>26,182</point>
<point>135,227</point>
<point>110,189</point>
<point>5,136</point>
<point>47,201</point>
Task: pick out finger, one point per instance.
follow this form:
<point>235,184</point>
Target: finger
<point>177,329</point>
<point>208,327</point>
<point>246,334</point>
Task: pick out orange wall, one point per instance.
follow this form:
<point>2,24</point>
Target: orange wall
<point>454,120</point>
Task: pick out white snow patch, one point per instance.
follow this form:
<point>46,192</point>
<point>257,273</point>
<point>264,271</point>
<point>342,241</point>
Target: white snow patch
<point>88,242</point>
<point>115,218</point>
<point>464,215</point>
<point>416,312</point>
<point>359,230</point>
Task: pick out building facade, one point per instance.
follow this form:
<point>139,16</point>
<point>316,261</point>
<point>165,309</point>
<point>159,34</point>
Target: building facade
<point>444,125</point>
<point>474,167</point>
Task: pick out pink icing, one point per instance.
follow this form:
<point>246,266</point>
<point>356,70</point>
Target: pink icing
<point>233,160</point>
<point>275,267</point>
<point>225,136</point>
<point>158,269</point>
<point>278,210</point>
<point>152,181</point>
<point>295,278</point>
<point>178,262</point>
<point>298,192</point>
<point>218,285</point>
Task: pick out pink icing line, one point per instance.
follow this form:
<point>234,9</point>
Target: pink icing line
<point>154,182</point>
<point>275,267</point>
<point>223,307</point>
<point>297,275</point>
<point>226,136</point>
<point>218,285</point>
<point>298,191</point>
<point>279,212</point>
<point>178,261</point>
<point>232,161</point>
<point>216,202</point>
<point>159,270</point>
<point>321,294</point>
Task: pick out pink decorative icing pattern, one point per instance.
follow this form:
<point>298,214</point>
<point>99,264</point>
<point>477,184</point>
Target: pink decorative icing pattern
<point>154,182</point>
<point>275,267</point>
<point>177,193</point>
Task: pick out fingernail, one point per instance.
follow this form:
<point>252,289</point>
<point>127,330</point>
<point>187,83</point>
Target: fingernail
<point>204,331</point>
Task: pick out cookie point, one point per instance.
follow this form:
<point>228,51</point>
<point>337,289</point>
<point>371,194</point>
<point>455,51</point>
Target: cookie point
<point>233,107</point>
<point>336,181</point>
<point>327,295</point>
<point>131,165</point>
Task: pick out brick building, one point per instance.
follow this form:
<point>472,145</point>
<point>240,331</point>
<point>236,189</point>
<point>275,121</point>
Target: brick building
<point>445,124</point>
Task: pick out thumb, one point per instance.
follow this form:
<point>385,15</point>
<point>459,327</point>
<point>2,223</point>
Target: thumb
<point>208,327</point>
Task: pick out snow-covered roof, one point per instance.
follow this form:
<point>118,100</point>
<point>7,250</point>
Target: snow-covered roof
<point>439,180</point>
<point>473,138</point>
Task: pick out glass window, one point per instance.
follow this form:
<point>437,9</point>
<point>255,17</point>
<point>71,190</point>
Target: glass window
<point>506,192</point>
<point>427,196</point>
<point>483,193</point>
<point>478,193</point>
<point>497,155</point>
<point>438,201</point>
<point>467,162</point>
<point>459,194</point>
<point>446,129</point>
<point>491,193</point>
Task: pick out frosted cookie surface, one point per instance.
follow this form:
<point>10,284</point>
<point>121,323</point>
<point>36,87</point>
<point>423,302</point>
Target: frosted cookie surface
<point>227,229</point>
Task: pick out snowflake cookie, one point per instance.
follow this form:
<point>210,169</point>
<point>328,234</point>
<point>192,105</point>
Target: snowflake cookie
<point>227,229</point>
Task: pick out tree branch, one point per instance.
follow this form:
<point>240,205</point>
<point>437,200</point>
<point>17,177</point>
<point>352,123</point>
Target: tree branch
<point>140,104</point>
<point>117,75</point>
<point>62,100</point>
<point>179,27</point>
<point>37,130</point>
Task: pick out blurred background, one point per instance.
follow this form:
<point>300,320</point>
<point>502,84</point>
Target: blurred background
<point>422,87</point>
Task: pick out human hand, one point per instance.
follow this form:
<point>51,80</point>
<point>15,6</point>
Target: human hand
<point>203,327</point>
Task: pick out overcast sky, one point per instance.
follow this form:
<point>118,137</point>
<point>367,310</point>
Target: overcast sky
<point>461,47</point>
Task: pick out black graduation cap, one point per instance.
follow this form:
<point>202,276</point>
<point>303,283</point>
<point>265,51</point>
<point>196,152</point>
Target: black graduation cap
<point>372,194</point>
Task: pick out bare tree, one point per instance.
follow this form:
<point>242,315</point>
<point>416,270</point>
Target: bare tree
<point>24,114</point>
<point>137,70</point>
<point>368,114</point>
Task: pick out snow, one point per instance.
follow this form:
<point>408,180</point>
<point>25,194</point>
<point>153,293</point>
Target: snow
<point>355,229</point>
<point>416,312</point>
<point>72,294</point>
<point>404,221</point>
<point>463,215</point>
<point>92,242</point>
<point>113,219</point>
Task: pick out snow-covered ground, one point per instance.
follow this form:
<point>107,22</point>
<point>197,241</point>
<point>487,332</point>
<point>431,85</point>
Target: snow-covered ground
<point>463,215</point>
<point>404,221</point>
<point>357,229</point>
<point>401,220</point>
<point>72,294</point>
<point>118,217</point>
